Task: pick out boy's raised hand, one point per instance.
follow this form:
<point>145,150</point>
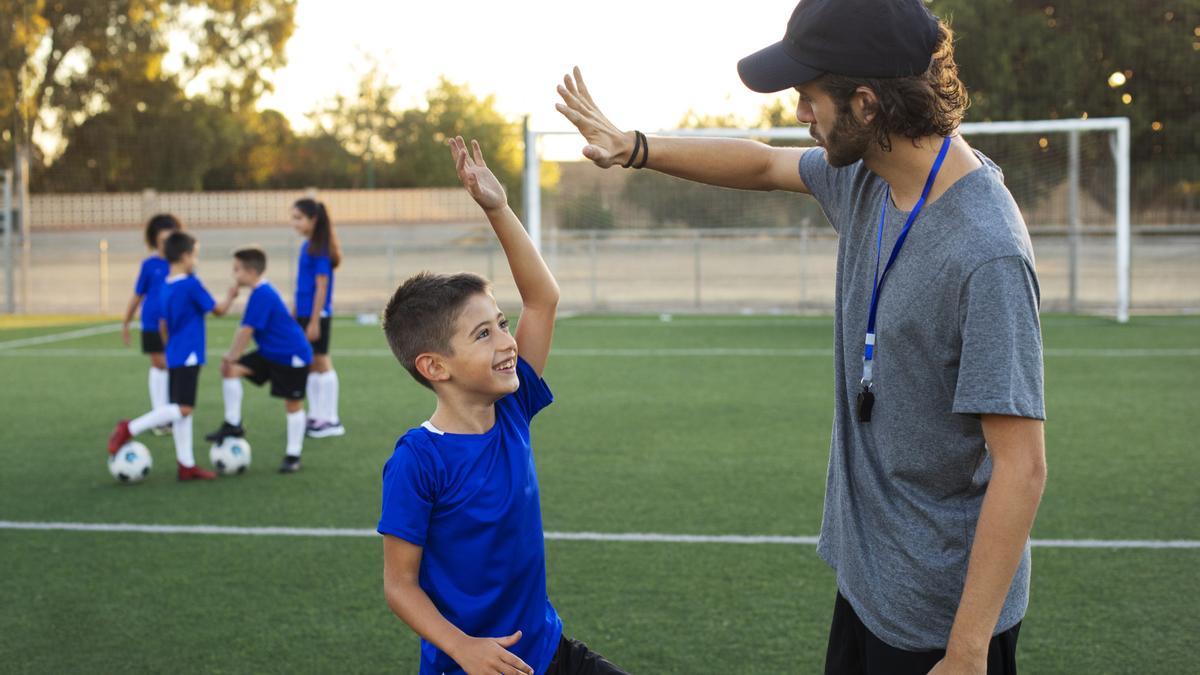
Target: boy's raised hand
<point>480,182</point>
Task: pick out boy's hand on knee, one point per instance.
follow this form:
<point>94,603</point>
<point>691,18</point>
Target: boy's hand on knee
<point>490,655</point>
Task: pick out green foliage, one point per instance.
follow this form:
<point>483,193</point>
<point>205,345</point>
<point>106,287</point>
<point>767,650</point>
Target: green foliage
<point>1038,59</point>
<point>420,134</point>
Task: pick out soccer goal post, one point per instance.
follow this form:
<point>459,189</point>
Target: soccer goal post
<point>1071,179</point>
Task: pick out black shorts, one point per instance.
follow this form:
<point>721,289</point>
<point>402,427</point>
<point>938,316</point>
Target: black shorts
<point>321,346</point>
<point>182,384</point>
<point>855,649</point>
<point>574,658</point>
<point>286,381</point>
<point>152,342</point>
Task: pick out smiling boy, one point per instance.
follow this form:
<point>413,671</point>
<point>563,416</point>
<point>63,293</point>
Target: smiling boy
<point>464,554</point>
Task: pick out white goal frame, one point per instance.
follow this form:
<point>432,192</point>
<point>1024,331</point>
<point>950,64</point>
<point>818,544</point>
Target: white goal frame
<point>1119,143</point>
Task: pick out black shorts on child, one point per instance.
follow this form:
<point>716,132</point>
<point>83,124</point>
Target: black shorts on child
<point>286,381</point>
<point>182,384</point>
<point>574,658</point>
<point>321,345</point>
<point>152,342</point>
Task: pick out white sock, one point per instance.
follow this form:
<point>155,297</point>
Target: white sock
<point>312,391</point>
<point>295,433</point>
<point>158,387</point>
<point>329,398</point>
<point>231,389</point>
<point>182,431</point>
<point>155,418</point>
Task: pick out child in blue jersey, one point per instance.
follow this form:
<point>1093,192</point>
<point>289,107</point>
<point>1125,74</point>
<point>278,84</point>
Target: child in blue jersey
<point>283,357</point>
<point>184,304</point>
<point>320,254</point>
<point>145,294</point>
<point>464,556</point>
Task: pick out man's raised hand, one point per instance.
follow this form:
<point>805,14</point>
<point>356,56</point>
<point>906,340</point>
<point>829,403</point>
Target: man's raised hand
<point>479,181</point>
<point>607,145</point>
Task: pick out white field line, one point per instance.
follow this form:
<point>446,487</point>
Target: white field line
<point>60,337</point>
<point>700,352</point>
<point>640,537</point>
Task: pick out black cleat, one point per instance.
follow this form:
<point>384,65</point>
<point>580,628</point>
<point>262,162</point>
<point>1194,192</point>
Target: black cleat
<point>290,464</point>
<point>227,430</point>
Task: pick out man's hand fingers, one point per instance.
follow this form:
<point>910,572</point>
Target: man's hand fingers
<point>572,116</point>
<point>571,99</point>
<point>582,87</point>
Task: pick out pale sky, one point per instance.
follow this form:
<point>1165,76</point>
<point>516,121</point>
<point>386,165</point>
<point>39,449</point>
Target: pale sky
<point>647,62</point>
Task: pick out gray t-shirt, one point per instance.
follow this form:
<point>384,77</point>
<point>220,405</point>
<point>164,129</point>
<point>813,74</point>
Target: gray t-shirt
<point>957,336</point>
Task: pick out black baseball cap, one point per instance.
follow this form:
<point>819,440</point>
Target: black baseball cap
<point>855,38</point>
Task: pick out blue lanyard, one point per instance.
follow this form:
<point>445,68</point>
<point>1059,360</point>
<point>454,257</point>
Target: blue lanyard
<point>869,347</point>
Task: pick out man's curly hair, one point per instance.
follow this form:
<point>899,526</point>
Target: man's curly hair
<point>930,104</point>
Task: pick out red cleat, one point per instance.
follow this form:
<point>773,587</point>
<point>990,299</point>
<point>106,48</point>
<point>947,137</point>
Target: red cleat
<point>120,436</point>
<point>194,473</point>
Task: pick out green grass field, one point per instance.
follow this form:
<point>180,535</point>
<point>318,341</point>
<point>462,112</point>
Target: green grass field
<point>699,425</point>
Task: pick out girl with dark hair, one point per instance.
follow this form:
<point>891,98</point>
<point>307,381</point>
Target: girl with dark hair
<point>320,254</point>
<point>145,294</point>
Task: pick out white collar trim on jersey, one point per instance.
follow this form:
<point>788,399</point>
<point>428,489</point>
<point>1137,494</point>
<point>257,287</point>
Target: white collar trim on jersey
<point>176,277</point>
<point>428,426</point>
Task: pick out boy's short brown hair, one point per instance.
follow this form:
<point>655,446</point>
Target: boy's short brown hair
<point>252,257</point>
<point>421,314</point>
<point>178,244</point>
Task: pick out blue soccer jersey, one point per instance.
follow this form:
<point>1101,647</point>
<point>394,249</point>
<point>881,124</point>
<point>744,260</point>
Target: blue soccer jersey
<point>149,282</point>
<point>280,339</point>
<point>184,302</point>
<point>306,282</point>
<point>472,502</point>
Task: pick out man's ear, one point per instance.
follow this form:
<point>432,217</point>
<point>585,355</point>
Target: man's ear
<point>864,104</point>
<point>432,367</point>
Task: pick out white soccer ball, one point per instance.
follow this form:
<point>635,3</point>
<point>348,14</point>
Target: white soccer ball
<point>131,464</point>
<point>230,456</point>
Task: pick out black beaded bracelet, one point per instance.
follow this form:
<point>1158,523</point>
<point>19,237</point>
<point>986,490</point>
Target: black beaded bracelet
<point>645,150</point>
<point>637,146</point>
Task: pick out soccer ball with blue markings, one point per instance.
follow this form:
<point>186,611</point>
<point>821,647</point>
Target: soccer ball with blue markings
<point>131,464</point>
<point>230,456</point>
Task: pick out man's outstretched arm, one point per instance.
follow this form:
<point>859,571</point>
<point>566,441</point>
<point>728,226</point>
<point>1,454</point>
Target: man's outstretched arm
<point>727,162</point>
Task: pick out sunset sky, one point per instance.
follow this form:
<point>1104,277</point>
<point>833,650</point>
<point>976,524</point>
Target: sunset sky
<point>647,62</point>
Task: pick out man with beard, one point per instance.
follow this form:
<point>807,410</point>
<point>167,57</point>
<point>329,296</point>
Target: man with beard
<point>937,458</point>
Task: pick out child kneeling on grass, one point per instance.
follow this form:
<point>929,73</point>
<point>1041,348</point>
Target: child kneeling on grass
<point>464,554</point>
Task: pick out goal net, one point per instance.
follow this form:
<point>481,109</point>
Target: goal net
<point>640,240</point>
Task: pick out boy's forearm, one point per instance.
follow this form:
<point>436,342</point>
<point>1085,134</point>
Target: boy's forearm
<point>162,330</point>
<point>132,307</point>
<point>415,609</point>
<point>535,282</point>
<point>240,340</point>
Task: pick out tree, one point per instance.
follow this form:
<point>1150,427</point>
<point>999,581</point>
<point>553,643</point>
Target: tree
<point>150,136</point>
<point>69,58</point>
<point>1038,59</point>
<point>419,139</point>
<point>357,122</point>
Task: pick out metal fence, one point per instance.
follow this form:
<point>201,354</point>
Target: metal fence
<point>776,269</point>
